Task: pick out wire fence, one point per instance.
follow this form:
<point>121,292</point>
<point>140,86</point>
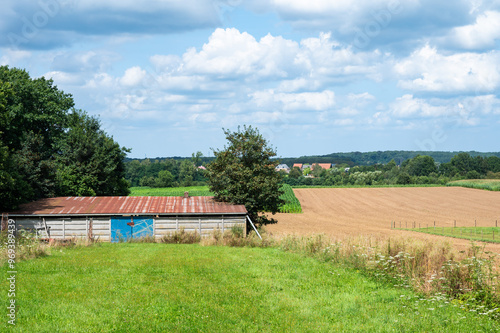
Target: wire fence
<point>471,230</point>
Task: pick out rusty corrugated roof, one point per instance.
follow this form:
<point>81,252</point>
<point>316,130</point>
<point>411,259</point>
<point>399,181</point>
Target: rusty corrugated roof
<point>128,205</point>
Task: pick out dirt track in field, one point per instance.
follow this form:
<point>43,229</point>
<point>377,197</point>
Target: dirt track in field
<point>341,212</point>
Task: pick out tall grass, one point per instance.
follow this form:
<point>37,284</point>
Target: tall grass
<point>469,279</point>
<point>27,246</point>
<point>482,184</point>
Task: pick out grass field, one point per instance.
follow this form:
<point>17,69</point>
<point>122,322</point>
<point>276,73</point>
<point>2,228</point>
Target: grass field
<point>189,288</point>
<point>482,184</point>
<point>194,191</point>
<point>487,234</point>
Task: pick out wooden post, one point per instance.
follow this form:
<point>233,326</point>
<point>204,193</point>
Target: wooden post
<point>64,228</point>
<point>199,220</point>
<point>223,225</point>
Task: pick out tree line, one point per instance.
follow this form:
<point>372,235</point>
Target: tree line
<point>380,157</point>
<point>167,172</point>
<point>420,169</point>
<point>49,148</point>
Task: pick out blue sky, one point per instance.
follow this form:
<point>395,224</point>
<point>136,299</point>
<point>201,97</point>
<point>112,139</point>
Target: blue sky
<point>315,76</point>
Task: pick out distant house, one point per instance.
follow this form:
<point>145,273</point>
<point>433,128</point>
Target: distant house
<point>283,167</point>
<point>297,165</point>
<point>325,166</point>
<point>201,167</point>
<point>347,169</point>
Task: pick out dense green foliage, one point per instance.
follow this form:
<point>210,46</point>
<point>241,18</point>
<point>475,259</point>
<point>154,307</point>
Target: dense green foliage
<point>422,170</point>
<point>167,172</point>
<point>188,288</point>
<point>47,148</point>
<point>244,173</point>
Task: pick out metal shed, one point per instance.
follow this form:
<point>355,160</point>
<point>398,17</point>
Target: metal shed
<point>112,218</point>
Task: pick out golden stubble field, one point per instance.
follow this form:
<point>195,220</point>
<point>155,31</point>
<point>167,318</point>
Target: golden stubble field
<point>345,212</point>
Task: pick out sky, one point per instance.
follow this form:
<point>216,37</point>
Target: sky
<point>315,77</point>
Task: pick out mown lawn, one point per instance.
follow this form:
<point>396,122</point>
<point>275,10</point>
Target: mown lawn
<point>127,287</point>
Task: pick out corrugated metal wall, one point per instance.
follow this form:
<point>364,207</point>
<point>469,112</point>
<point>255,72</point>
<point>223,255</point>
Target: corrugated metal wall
<point>100,227</point>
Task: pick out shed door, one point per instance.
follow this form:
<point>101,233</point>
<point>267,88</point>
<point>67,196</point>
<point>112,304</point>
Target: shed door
<point>125,227</point>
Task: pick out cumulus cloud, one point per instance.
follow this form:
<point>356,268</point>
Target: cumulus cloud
<point>133,76</point>
<point>480,35</point>
<point>315,101</point>
<point>230,52</point>
<point>428,70</point>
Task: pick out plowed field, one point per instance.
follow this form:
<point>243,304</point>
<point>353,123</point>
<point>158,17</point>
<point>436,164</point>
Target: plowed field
<point>340,212</point>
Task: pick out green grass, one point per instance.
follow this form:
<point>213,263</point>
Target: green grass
<point>189,288</point>
<point>487,234</point>
<point>483,184</point>
<point>292,204</point>
<point>194,191</point>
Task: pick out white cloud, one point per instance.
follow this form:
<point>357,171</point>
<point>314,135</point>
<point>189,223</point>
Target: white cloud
<point>482,34</point>
<point>65,78</point>
<point>232,53</point>
<point>133,76</point>
<point>315,101</point>
<point>408,106</point>
<point>427,70</point>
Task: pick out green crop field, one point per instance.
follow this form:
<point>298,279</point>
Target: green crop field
<point>127,287</point>
<point>483,184</point>
<point>292,204</point>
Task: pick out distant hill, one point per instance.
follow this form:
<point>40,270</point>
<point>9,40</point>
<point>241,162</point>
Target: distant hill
<point>355,158</point>
<point>379,157</point>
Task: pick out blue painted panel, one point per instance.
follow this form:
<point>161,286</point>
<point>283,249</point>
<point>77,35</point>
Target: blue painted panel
<point>125,227</point>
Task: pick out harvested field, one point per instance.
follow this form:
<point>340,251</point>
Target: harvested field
<point>341,212</point>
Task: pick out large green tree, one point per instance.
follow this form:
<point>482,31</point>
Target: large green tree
<point>89,162</point>
<point>244,173</point>
<point>47,148</point>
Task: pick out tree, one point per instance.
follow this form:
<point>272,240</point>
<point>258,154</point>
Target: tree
<point>421,166</point>
<point>295,173</point>
<point>165,179</point>
<point>89,161</point>
<point>244,173</point>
